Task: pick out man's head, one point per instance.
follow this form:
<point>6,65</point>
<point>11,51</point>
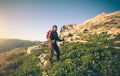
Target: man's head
<point>54,28</point>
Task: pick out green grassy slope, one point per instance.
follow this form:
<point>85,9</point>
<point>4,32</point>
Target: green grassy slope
<point>98,55</point>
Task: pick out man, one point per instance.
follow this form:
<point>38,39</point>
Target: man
<point>53,37</point>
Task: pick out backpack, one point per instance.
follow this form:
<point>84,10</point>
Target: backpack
<point>48,34</point>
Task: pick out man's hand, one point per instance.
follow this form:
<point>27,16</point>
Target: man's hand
<point>53,41</point>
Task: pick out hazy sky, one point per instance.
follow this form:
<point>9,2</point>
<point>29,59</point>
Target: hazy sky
<point>31,19</point>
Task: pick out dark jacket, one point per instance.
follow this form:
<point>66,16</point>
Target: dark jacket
<point>54,36</point>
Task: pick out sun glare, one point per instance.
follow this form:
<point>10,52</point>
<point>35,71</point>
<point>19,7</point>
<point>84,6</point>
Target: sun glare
<point>3,22</point>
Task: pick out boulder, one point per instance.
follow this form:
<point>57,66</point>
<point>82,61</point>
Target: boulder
<point>30,49</point>
<point>43,60</point>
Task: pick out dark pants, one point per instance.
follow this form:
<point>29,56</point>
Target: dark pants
<point>54,46</point>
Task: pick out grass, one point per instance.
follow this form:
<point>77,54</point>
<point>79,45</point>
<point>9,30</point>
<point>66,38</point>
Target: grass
<point>76,59</point>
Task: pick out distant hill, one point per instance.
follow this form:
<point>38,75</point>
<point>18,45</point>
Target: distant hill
<point>103,23</point>
<point>9,44</point>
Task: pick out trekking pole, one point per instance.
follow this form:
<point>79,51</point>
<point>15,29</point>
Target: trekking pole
<point>63,44</point>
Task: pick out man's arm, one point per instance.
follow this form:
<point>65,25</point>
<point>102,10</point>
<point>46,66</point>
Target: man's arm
<point>59,38</point>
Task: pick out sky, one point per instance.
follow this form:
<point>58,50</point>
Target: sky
<point>31,19</point>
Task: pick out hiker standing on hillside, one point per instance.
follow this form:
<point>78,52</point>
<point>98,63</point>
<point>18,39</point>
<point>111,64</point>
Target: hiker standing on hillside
<point>52,37</point>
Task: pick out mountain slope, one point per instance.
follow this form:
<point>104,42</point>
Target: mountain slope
<point>99,57</point>
<point>9,44</point>
<point>87,51</point>
<point>103,23</point>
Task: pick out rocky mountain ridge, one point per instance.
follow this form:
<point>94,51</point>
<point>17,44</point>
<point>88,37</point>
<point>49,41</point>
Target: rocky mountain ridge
<point>103,23</point>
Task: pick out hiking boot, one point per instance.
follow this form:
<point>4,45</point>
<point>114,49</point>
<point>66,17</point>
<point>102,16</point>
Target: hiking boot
<point>58,59</point>
<point>51,62</point>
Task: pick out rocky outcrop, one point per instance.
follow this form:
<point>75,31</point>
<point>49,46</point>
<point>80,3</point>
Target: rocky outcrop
<point>103,23</point>
<point>30,49</point>
<point>43,60</point>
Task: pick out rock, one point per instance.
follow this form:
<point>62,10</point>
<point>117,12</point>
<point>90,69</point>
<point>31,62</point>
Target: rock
<point>44,73</point>
<point>30,49</point>
<point>43,60</point>
<point>60,43</point>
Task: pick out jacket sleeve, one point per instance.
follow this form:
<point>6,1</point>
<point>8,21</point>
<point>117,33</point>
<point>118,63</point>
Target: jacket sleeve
<point>59,38</point>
